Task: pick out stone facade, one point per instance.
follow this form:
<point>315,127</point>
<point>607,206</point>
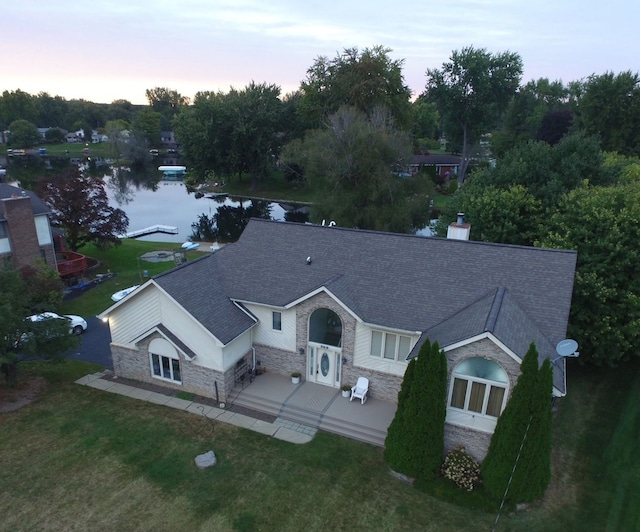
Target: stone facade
<point>486,349</point>
<point>381,386</point>
<point>279,360</point>
<point>477,442</point>
<point>135,364</point>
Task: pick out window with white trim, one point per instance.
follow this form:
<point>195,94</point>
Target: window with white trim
<point>164,360</point>
<point>165,367</point>
<point>390,346</point>
<point>276,320</point>
<point>479,386</point>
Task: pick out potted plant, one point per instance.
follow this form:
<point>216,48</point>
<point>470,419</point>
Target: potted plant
<point>295,377</point>
<point>346,390</point>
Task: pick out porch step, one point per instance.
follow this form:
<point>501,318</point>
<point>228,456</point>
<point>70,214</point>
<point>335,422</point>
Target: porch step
<point>353,431</point>
<point>247,400</point>
<point>334,425</point>
<point>300,415</point>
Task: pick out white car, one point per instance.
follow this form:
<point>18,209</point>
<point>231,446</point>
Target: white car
<point>77,324</point>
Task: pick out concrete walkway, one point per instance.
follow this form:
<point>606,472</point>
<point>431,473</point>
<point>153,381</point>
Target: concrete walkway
<point>281,429</point>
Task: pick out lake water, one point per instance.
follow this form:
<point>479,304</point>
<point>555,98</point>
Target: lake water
<point>171,204</point>
<point>148,202</point>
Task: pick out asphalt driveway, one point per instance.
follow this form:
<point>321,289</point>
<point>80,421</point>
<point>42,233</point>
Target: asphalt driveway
<point>94,344</point>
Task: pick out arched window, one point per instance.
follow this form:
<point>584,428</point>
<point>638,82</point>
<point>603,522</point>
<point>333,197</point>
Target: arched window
<point>325,327</point>
<point>164,360</point>
<point>479,386</point>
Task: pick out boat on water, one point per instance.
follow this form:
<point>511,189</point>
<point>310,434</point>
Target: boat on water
<point>170,171</point>
<point>123,293</point>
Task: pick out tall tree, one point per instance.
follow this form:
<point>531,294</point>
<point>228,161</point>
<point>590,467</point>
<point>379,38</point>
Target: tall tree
<point>118,132</point>
<point>520,447</point>
<point>509,215</point>
<point>425,125</point>
<point>471,91</point>
<point>415,438</point>
<point>525,114</point>
<point>21,339</point>
<point>226,134</point>
<point>51,110</point>
<point>609,107</point>
<point>120,110</point>
<point>256,140</point>
<point>353,166</point>
<point>17,105</point>
<point>365,80</point>
<point>146,125</point>
<point>397,447</point>
<point>167,102</point>
<point>427,410</point>
<point>23,134</point>
<point>545,173</point>
<point>601,224</point>
<point>80,206</point>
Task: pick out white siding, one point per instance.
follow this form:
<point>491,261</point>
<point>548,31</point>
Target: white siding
<point>197,338</point>
<point>263,332</point>
<point>235,350</point>
<point>362,353</point>
<point>129,321</point>
<point>150,307</point>
<point>43,231</point>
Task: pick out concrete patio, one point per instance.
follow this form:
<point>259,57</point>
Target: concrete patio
<point>317,407</point>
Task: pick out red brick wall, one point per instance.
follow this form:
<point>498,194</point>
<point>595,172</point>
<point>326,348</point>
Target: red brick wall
<point>23,236</point>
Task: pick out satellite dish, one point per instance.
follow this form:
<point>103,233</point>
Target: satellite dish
<point>567,348</point>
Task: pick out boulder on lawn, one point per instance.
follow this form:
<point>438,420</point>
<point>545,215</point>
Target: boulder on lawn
<point>206,460</point>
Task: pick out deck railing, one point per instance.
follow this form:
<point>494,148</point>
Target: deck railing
<point>70,263</point>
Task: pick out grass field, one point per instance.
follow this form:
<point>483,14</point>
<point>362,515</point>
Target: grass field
<point>82,459</point>
<point>123,261</point>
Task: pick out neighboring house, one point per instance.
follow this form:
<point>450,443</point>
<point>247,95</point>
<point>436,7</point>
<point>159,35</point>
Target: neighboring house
<point>336,304</point>
<point>168,140</point>
<point>97,138</point>
<point>25,233</point>
<point>445,165</point>
<point>74,137</point>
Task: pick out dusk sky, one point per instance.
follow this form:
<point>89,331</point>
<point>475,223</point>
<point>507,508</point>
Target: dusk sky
<point>103,50</point>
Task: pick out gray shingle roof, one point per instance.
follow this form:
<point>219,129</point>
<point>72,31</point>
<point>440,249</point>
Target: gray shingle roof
<point>399,281</point>
<point>8,191</point>
<point>198,287</point>
<point>498,314</point>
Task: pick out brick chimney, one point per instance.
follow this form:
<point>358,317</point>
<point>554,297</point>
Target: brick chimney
<point>459,230</point>
<point>23,235</point>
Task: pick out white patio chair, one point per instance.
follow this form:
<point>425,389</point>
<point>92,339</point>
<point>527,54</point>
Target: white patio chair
<point>359,391</point>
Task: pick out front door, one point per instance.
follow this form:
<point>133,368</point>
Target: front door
<point>322,365</point>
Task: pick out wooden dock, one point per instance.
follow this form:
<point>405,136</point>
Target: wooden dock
<point>167,229</point>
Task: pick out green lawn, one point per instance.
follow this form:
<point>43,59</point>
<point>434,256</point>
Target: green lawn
<point>82,459</point>
<point>124,262</point>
